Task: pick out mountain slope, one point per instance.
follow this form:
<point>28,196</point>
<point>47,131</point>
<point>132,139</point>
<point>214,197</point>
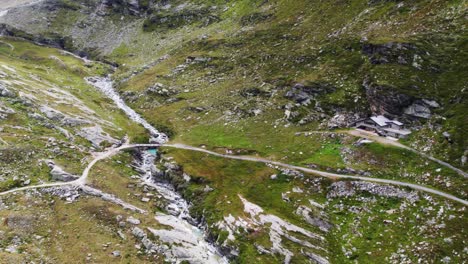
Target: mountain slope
<point>277,79</point>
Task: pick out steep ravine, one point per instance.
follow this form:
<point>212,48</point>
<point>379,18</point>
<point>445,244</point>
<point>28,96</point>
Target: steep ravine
<point>187,237</point>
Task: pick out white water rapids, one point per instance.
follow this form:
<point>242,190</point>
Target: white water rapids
<point>186,239</point>
<point>105,85</point>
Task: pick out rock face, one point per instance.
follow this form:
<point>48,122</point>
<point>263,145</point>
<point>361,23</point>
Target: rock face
<point>123,6</point>
<point>421,108</point>
<point>386,100</point>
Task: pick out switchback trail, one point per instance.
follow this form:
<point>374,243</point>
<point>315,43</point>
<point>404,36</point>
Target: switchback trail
<point>111,152</point>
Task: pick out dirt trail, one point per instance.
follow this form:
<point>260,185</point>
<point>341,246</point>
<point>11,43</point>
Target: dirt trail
<point>82,180</point>
<point>386,141</point>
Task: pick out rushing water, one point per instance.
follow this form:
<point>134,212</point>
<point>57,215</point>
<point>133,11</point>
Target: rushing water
<point>105,85</point>
<point>186,238</point>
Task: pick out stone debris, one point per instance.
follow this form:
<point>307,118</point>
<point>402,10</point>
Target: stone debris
<point>318,221</point>
<point>96,135</point>
<point>351,188</point>
<point>278,229</point>
<point>69,192</point>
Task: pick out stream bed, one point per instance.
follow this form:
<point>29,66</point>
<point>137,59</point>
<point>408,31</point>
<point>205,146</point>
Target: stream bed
<point>186,238</point>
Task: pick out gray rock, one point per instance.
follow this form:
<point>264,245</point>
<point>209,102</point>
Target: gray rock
<point>58,174</point>
<point>418,110</point>
<point>386,100</point>
<point>133,220</point>
<point>116,253</point>
<point>5,92</point>
<point>351,188</point>
<point>303,94</point>
<point>52,114</point>
<point>431,103</point>
<point>138,233</point>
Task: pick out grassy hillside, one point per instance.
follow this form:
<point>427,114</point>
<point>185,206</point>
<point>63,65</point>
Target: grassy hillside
<point>248,77</point>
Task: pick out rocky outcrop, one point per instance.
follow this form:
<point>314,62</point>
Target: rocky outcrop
<point>386,100</point>
<point>58,174</point>
<point>304,93</point>
<point>318,221</point>
<point>352,188</point>
<point>421,108</point>
<point>123,6</point>
<point>392,52</point>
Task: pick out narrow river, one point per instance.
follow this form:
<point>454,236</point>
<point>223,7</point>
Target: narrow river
<point>186,238</point>
<point>105,85</point>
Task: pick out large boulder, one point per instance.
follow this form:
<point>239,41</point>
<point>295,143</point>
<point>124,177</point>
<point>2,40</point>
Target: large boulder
<point>421,108</point>
<point>58,174</point>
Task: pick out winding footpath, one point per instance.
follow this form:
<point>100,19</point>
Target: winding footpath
<point>111,152</point>
<point>365,134</point>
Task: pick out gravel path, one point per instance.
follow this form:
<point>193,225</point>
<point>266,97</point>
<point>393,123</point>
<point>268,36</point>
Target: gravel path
<point>386,141</point>
<point>101,156</point>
